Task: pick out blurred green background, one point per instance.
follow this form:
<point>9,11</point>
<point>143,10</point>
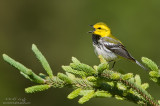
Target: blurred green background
<point>59,29</point>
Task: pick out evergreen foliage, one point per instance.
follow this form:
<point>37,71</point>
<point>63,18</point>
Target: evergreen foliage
<point>89,82</point>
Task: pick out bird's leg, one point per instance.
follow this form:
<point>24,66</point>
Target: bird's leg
<point>113,65</point>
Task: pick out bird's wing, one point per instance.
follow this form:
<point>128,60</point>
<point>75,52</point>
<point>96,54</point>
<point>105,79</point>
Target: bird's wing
<point>116,47</point>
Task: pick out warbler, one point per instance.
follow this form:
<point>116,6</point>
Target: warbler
<point>108,46</point>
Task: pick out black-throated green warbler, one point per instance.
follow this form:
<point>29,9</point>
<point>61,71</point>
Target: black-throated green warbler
<point>108,46</point>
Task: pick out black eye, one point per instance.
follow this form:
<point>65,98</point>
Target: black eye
<point>99,28</point>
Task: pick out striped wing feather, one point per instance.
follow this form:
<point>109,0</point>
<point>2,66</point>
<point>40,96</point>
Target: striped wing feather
<point>116,47</point>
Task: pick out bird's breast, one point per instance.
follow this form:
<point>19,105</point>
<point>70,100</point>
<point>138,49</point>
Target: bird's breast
<point>106,53</point>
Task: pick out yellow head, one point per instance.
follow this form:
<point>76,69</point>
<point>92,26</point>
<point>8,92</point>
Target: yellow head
<point>101,29</point>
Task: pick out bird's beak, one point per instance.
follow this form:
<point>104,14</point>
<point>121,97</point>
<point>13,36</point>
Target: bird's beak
<point>91,26</point>
<point>90,31</point>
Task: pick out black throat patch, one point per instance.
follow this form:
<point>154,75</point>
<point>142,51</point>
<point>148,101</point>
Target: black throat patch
<point>95,39</point>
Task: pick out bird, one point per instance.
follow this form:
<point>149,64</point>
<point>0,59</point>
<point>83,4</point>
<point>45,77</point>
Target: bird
<point>108,46</point>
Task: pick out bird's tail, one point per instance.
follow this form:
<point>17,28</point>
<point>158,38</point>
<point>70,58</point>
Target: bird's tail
<point>141,65</point>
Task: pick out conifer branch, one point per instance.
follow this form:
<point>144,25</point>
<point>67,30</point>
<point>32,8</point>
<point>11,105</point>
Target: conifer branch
<point>89,82</point>
<point>154,71</point>
<point>43,60</point>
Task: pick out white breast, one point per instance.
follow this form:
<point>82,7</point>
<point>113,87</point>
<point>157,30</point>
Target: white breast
<point>107,54</point>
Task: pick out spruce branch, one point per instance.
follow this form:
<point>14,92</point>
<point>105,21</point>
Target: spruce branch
<point>26,72</point>
<point>43,60</point>
<point>90,82</point>
<point>37,88</point>
<point>155,72</point>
